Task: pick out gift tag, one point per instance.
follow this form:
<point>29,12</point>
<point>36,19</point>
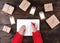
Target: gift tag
<point>32,11</point>
<point>41,14</point>
<point>12,20</point>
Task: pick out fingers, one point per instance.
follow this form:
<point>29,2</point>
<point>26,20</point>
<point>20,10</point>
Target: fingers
<point>34,26</point>
<point>22,30</point>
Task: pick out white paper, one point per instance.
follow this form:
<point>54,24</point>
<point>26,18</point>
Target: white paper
<point>27,23</point>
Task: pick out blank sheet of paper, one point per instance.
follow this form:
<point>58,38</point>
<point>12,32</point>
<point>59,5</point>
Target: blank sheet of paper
<point>27,23</point>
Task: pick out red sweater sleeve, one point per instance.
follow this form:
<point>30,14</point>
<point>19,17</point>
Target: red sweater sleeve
<point>17,38</point>
<point>37,37</point>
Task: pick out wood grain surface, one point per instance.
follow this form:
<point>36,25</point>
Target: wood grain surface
<point>49,35</point>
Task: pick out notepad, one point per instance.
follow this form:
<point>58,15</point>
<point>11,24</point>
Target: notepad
<point>27,23</point>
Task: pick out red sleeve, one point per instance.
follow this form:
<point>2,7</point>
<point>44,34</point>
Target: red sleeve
<point>37,37</point>
<point>17,38</point>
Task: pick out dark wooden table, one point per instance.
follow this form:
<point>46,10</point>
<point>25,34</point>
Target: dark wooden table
<point>49,35</point>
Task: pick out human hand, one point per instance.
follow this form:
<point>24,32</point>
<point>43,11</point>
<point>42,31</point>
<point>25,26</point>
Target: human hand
<point>22,30</point>
<point>34,26</point>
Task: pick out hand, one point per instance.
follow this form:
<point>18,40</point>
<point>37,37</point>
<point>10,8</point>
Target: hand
<point>34,26</point>
<point>22,30</point>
